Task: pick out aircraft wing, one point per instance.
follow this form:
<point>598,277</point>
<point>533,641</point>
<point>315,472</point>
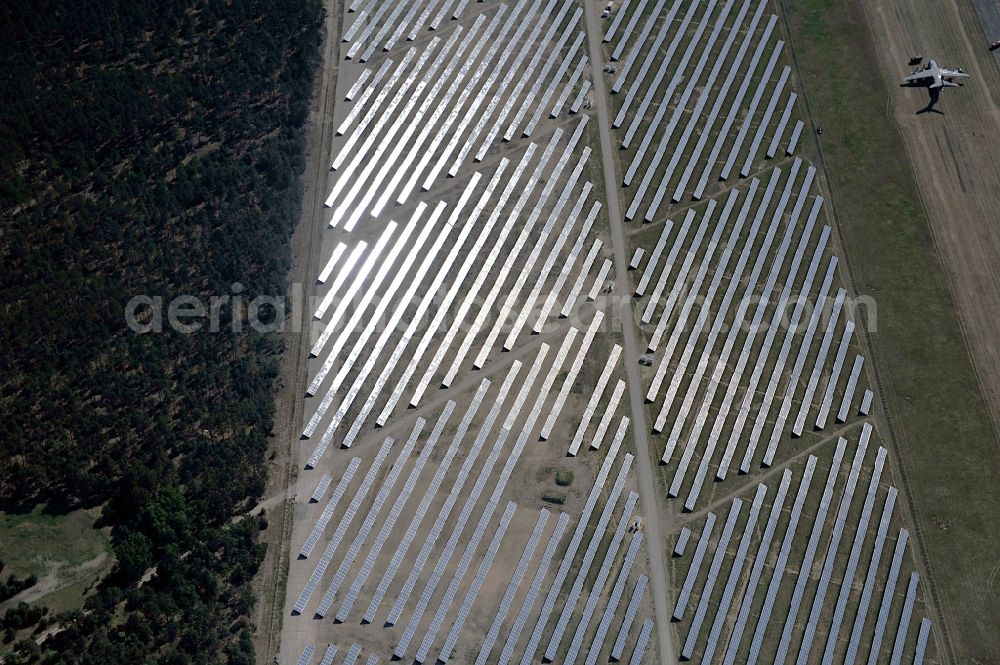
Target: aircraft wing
<point>953,73</point>
<point>916,76</point>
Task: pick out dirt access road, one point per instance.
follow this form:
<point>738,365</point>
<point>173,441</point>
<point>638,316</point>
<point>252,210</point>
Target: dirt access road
<point>306,245</point>
<point>647,486</point>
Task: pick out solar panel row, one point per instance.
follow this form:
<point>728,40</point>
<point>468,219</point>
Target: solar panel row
<point>532,594</point>
<point>616,593</point>
<point>515,581</point>
<point>603,573</point>
<point>630,612</point>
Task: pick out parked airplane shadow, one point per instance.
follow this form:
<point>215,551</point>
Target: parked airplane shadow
<point>933,93</point>
<point>934,96</point>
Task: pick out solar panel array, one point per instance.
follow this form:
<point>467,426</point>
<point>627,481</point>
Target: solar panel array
<point>321,488</point>
<point>630,614</point>
<point>515,581</point>
<point>751,336</point>
<point>569,558</point>
<point>741,314</point>
<point>397,506</point>
<point>607,618</point>
<point>352,655</point>
<point>792,590</point>
<point>329,509</point>
<point>329,655</point>
<point>496,227</point>
<point>694,82</point>
<point>463,209</point>
<point>682,540</point>
<point>477,583</point>
<point>577,608</point>
<point>576,642</point>
<point>527,605</point>
<point>490,445</point>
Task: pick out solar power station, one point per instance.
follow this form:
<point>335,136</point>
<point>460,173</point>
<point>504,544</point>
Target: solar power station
<point>494,466</point>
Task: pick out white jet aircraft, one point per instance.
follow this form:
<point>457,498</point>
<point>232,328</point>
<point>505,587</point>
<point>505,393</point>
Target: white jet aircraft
<point>940,77</point>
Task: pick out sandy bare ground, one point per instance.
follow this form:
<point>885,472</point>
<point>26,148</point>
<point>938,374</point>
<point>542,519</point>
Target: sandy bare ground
<point>954,159</point>
<point>59,575</point>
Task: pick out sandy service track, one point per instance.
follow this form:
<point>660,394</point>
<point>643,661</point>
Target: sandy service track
<point>644,471</point>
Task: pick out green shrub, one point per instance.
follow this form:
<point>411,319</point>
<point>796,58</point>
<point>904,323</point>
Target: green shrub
<point>564,478</point>
<point>556,498</point>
